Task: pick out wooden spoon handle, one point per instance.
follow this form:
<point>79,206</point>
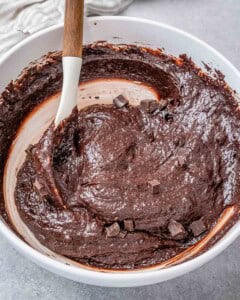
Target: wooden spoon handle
<point>73,28</point>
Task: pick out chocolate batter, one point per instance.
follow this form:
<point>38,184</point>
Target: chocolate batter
<point>121,186</point>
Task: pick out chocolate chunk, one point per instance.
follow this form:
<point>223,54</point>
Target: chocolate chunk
<point>123,165</point>
<point>220,138</point>
<point>198,227</point>
<point>176,230</point>
<point>122,234</point>
<point>149,105</point>
<point>168,117</point>
<point>182,162</point>
<point>172,101</point>
<point>179,141</point>
<point>176,142</point>
<point>37,184</point>
<point>182,141</point>
<point>129,225</point>
<point>218,180</point>
<point>120,101</point>
<point>113,230</point>
<point>153,107</point>
<point>38,187</point>
<point>151,136</point>
<point>155,186</point>
<point>146,104</point>
<point>162,104</point>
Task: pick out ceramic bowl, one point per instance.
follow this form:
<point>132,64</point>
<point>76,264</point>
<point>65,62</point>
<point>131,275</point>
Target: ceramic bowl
<point>122,30</point>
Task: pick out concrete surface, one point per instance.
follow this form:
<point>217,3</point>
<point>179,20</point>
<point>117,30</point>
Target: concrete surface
<point>218,23</point>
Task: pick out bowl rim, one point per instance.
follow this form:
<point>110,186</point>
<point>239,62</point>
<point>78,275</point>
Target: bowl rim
<point>132,277</point>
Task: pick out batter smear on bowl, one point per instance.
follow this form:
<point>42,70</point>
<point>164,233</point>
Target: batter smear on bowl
<point>121,186</point>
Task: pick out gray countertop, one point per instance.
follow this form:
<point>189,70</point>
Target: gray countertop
<point>218,23</point>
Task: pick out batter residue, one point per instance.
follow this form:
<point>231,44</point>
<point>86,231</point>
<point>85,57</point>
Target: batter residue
<point>122,186</point>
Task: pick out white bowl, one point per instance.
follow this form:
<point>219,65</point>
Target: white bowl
<point>129,31</point>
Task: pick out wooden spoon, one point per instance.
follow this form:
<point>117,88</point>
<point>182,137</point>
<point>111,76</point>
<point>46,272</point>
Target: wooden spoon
<point>72,57</point>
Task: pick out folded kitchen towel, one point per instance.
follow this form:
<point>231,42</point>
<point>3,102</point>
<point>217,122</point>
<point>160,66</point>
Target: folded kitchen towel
<point>21,18</point>
<point>106,7</point>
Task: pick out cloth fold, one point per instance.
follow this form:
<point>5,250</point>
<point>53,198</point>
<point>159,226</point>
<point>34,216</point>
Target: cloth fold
<point>21,18</point>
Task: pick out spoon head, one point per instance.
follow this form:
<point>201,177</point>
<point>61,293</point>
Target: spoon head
<point>71,72</point>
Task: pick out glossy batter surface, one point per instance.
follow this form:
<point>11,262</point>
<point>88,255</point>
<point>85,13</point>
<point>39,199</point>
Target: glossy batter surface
<point>125,187</point>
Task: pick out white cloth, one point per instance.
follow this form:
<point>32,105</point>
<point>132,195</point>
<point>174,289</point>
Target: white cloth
<point>21,18</point>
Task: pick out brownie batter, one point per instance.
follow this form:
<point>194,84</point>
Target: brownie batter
<point>120,186</point>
